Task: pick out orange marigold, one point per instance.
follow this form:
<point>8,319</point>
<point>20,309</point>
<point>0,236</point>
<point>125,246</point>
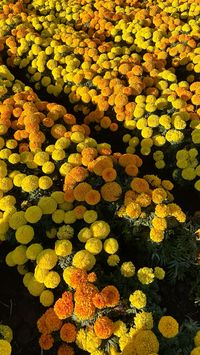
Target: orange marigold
<point>81,190</point>
<point>46,341</point>
<point>65,350</point>
<point>111,295</point>
<point>131,170</point>
<point>99,301</point>
<point>85,291</point>
<point>92,197</point>
<point>41,325</point>
<point>103,327</point>
<point>78,173</point>
<point>111,191</point>
<point>109,174</point>
<point>127,159</point>
<point>68,332</point>
<point>74,276</point>
<point>64,306</point>
<point>52,321</point>
<point>101,163</point>
<point>139,185</point>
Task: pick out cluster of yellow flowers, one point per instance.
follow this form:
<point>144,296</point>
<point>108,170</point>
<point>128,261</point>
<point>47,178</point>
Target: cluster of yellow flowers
<point>187,160</point>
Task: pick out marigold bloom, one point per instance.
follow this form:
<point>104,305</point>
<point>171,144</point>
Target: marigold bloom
<point>139,185</point>
<point>74,276</point>
<point>111,191</point>
<point>46,341</point>
<point>64,306</point>
<point>168,326</point>
<point>103,327</point>
<point>68,332</point>
<point>111,296</point>
<point>65,350</point>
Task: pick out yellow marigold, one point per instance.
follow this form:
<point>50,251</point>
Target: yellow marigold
<point>52,279</point>
<point>100,229</point>
<point>143,199</point>
<point>103,327</point>
<point>24,234</point>
<point>143,320</point>
<point>47,259</point>
<point>159,195</point>
<point>47,298</point>
<point>6,332</point>
<point>159,223</point>
<point>94,246</point>
<point>40,273</point>
<point>111,245</point>
<point>133,210</point>
<point>87,340</point>
<point>33,214</point>
<point>138,299</point>
<point>197,338</point>
<point>84,260</point>
<point>33,250</point>
<point>17,220</point>
<point>127,269</point>
<point>113,260</point>
<point>161,210</point>
<point>35,288</point>
<point>146,342</point>
<point>159,273</point>
<point>47,204</point>
<point>145,275</point>
<point>195,351</point>
<point>5,347</point>
<point>90,216</point>
<point>65,232</point>
<point>30,183</point>
<point>19,255</point>
<point>156,235</point>
<point>119,328</point>
<point>129,348</point>
<point>63,247</point>
<point>123,341</point>
<point>168,326</point>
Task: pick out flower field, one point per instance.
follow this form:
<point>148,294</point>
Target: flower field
<point>100,177</point>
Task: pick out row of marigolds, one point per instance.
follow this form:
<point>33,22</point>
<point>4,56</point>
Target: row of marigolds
<point>71,207</point>
<point>122,65</point>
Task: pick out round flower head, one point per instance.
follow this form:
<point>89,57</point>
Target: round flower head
<point>195,351</point>
<point>100,229</point>
<point>5,347</point>
<point>94,246</point>
<point>52,279</point>
<point>159,273</point>
<point>33,214</point>
<point>111,245</point>
<point>33,250</point>
<point>47,298</point>
<point>103,327</point>
<point>197,338</point>
<point>143,320</point>
<point>47,259</point>
<point>138,299</point>
<point>24,234</point>
<point>168,326</point>
<point>146,342</point>
<point>47,204</point>
<point>128,269</point>
<point>6,332</point>
<point>84,260</point>
<point>145,275</point>
<point>63,247</point>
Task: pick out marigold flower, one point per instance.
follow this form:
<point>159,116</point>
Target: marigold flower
<point>133,210</point>
<point>84,310</point>
<point>74,276</point>
<point>145,275</point>
<point>5,347</point>
<point>111,296</point>
<point>87,340</point>
<point>64,306</point>
<point>102,163</point>
<point>81,190</point>
<point>103,327</point>
<point>92,197</point>
<point>68,332</point>
<point>127,269</point>
<point>138,299</point>
<point>139,185</point>
<point>65,350</point>
<point>146,342</point>
<point>168,326</point>
<point>84,260</point>
<point>143,320</point>
<point>111,191</point>
<point>46,341</point>
<point>159,195</point>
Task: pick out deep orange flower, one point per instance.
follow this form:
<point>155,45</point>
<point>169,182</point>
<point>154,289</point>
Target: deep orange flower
<point>84,310</point>
<point>99,301</point>
<point>111,191</point>
<point>46,341</point>
<point>68,332</point>
<point>131,170</point>
<point>127,159</point>
<point>64,306</point>
<point>42,326</point>
<point>78,173</point>
<point>85,291</point>
<point>109,174</point>
<point>79,211</point>
<point>111,295</point>
<point>103,327</point>
<point>65,350</point>
<point>92,197</point>
<point>74,276</point>
<point>69,195</point>
<point>52,321</point>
